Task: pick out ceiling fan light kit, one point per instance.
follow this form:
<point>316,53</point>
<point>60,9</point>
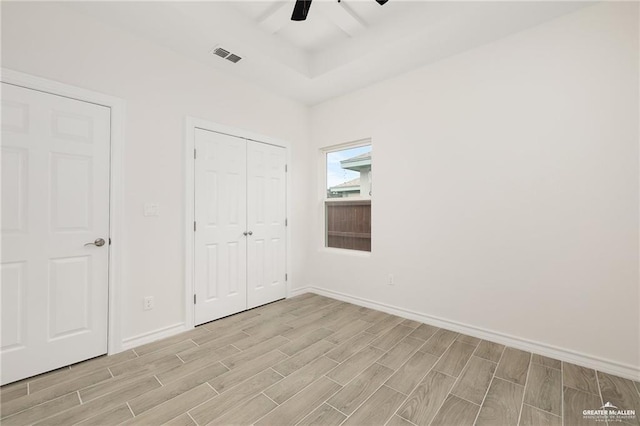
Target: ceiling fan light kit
<point>301,9</point>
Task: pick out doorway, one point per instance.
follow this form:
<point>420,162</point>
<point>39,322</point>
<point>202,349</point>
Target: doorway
<point>58,219</point>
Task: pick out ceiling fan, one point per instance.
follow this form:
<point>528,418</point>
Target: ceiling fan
<point>301,9</point>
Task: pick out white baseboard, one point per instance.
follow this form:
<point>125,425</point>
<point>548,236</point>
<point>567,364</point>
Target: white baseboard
<point>161,333</point>
<point>152,336</point>
<point>606,366</point>
<point>298,291</point>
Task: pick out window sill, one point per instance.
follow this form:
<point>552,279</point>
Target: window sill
<point>349,200</point>
<point>346,252</point>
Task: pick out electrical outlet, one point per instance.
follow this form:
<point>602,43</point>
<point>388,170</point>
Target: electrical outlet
<point>391,280</point>
<point>151,209</point>
<point>148,303</point>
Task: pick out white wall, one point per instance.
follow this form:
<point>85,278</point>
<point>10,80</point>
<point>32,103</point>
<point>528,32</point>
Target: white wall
<point>525,218</point>
<point>160,88</point>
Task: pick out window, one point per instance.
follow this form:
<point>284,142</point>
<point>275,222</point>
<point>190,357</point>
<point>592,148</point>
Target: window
<point>348,198</point>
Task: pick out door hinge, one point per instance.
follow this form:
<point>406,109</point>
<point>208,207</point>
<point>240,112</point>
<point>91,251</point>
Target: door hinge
<point>286,277</point>
<point>109,240</point>
<point>194,153</point>
<point>194,226</point>
<point>286,222</point>
<point>194,299</point>
<point>286,168</point>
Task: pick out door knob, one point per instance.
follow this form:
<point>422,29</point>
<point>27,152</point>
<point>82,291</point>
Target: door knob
<point>250,232</point>
<point>245,233</point>
<point>98,242</point>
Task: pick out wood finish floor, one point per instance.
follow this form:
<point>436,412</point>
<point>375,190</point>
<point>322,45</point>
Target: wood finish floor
<point>311,360</point>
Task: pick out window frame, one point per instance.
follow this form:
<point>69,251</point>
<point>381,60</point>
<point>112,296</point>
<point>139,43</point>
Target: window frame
<point>323,199</point>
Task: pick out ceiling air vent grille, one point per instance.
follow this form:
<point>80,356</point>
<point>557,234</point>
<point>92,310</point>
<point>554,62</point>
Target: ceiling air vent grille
<point>225,54</point>
<point>219,51</point>
<point>233,58</point>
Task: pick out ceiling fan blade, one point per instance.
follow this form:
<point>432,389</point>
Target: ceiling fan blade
<point>301,9</point>
<point>381,2</point>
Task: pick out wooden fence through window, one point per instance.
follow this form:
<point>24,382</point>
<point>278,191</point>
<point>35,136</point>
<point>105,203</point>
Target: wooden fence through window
<point>349,224</point>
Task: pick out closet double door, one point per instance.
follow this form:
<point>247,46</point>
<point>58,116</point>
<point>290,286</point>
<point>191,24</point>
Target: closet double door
<point>240,219</point>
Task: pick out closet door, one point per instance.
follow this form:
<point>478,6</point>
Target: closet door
<point>266,214</point>
<point>220,271</point>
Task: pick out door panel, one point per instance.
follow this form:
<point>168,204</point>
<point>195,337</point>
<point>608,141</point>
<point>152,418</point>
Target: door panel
<point>13,305</point>
<point>266,214</point>
<point>69,296</point>
<point>55,199</point>
<point>220,269</point>
<point>71,197</point>
<point>14,187</point>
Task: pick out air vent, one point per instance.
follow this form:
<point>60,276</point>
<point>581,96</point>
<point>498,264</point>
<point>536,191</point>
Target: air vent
<point>220,52</point>
<point>225,54</point>
<point>234,58</point>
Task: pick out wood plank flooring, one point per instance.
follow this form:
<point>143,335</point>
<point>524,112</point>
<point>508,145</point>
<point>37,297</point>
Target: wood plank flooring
<point>312,360</point>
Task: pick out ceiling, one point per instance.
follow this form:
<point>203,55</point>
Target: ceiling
<point>341,47</point>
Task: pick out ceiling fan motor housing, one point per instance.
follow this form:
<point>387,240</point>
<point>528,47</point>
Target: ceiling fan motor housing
<point>301,9</point>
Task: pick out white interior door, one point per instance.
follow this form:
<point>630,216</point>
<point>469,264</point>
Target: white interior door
<point>220,252</point>
<point>266,214</point>
<point>55,199</point>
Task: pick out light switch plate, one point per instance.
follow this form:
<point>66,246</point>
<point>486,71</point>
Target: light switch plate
<point>151,209</point>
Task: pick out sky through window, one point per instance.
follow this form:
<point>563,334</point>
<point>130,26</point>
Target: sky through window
<point>336,174</point>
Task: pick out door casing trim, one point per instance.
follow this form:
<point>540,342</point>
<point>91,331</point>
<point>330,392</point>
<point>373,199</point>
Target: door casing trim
<point>191,124</point>
<point>116,167</point>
